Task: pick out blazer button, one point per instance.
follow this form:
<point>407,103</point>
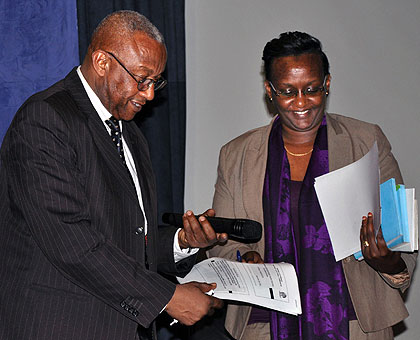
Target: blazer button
<point>140,230</point>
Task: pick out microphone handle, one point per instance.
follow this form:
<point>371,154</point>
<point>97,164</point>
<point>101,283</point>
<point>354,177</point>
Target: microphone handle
<point>219,224</point>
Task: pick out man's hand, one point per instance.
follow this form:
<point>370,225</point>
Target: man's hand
<point>190,304</point>
<point>199,233</point>
<point>375,251</point>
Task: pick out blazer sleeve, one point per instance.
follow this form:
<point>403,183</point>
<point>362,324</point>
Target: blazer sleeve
<point>47,192</point>
<point>166,262</point>
<point>223,204</point>
<point>389,169</point>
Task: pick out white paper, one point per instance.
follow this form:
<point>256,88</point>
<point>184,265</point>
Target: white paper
<point>412,224</point>
<point>416,225</point>
<point>347,194</point>
<point>271,285</point>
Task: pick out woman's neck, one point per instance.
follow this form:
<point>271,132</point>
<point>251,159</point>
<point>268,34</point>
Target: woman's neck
<point>299,147</point>
<point>292,137</point>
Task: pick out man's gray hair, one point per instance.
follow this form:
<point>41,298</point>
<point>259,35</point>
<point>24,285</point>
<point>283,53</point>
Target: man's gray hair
<point>126,22</point>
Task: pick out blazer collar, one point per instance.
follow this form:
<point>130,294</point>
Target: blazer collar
<point>253,172</point>
<point>340,146</point>
<point>140,151</point>
<point>340,153</point>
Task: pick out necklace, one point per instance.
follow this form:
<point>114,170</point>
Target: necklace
<point>298,154</point>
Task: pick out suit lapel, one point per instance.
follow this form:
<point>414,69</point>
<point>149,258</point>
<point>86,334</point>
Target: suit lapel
<point>99,134</point>
<point>253,170</point>
<point>340,148</point>
<point>139,149</point>
<point>340,153</point>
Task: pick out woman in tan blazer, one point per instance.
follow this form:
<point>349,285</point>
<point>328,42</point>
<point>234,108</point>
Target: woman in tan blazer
<point>267,174</point>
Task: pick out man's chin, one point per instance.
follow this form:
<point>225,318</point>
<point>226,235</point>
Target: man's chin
<point>129,114</point>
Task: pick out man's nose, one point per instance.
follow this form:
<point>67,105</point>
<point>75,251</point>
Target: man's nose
<point>149,93</point>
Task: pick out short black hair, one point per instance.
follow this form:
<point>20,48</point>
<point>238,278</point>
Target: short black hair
<point>293,44</point>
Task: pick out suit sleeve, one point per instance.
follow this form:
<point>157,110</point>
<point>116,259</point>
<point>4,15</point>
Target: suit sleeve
<point>389,169</point>
<point>223,204</point>
<point>166,262</point>
<point>46,190</point>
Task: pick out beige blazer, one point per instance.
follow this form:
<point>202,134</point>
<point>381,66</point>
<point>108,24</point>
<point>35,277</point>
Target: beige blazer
<point>238,194</point>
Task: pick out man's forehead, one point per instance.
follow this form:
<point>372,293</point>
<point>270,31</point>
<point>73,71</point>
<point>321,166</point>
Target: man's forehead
<point>141,39</point>
<point>143,54</point>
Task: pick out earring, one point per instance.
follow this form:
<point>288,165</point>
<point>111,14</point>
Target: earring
<point>270,99</point>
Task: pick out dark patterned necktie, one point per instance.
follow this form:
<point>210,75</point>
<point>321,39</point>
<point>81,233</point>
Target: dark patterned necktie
<point>116,136</point>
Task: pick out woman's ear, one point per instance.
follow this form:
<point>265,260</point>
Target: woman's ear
<point>268,91</point>
<point>327,84</point>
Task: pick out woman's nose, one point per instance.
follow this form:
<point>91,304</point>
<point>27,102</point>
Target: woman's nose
<point>300,99</point>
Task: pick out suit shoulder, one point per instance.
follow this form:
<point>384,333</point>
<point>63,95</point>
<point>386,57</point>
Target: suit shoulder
<point>357,130</point>
<point>349,123</point>
<point>56,102</point>
<point>43,95</point>
<point>254,138</point>
<point>50,111</point>
<point>362,134</point>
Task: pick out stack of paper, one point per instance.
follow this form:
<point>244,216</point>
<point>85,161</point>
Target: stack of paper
<point>399,220</point>
<point>407,213</point>
<point>270,285</point>
<point>391,217</point>
<point>347,194</point>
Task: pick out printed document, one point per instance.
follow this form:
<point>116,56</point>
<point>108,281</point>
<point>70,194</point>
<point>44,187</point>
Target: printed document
<point>271,285</point>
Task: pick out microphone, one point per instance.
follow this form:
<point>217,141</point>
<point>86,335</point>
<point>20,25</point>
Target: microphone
<point>241,229</point>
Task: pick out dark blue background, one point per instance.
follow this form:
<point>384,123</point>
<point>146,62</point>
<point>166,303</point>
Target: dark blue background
<point>38,46</point>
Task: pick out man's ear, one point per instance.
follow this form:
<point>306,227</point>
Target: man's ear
<point>100,62</point>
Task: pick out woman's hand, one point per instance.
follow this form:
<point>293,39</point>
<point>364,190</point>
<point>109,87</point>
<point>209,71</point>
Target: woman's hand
<point>252,257</point>
<point>375,251</point>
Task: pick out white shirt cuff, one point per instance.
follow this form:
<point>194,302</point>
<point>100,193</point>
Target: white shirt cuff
<point>180,254</point>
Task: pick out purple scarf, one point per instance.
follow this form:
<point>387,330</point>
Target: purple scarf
<point>326,304</point>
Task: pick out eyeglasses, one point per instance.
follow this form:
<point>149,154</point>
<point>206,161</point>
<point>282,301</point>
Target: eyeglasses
<point>293,93</point>
<point>145,83</point>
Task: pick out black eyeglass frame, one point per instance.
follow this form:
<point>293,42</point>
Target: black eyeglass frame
<point>294,94</point>
<point>145,83</point>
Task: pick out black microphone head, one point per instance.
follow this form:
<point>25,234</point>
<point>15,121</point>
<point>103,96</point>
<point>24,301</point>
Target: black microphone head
<point>247,229</point>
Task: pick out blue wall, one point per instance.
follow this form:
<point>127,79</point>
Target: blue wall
<point>38,46</point>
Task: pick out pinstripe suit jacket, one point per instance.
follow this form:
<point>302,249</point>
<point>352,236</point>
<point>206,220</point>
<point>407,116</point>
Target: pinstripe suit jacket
<point>72,256</point>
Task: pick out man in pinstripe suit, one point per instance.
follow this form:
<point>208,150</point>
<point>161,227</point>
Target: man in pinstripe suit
<point>78,232</point>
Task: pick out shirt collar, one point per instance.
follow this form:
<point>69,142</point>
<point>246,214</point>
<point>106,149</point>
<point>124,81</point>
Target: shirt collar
<point>103,113</point>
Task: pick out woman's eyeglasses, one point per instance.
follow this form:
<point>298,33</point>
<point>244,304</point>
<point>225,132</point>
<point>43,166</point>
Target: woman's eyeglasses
<point>293,93</point>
